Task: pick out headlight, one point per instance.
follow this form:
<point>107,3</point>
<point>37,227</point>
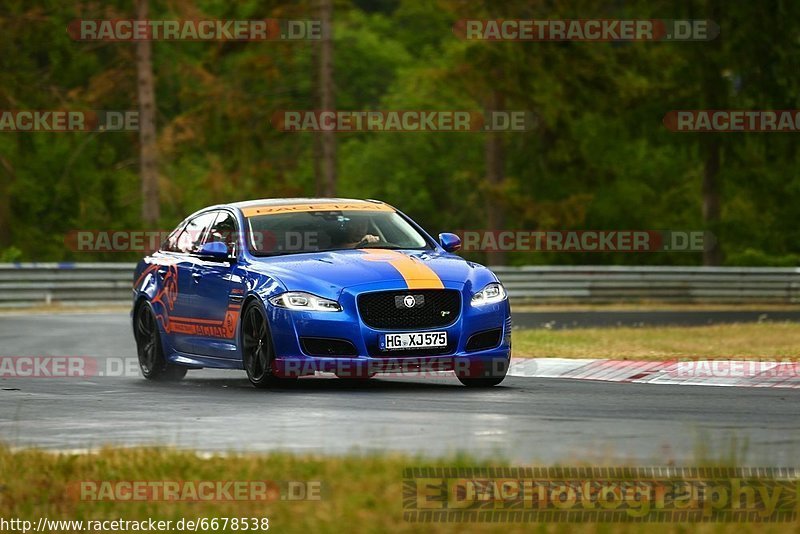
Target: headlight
<point>298,300</point>
<point>490,294</point>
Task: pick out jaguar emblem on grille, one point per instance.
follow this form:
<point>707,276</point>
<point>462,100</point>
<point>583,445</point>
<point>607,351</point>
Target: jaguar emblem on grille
<point>409,302</point>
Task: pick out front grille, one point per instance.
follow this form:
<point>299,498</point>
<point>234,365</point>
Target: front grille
<point>323,346</point>
<point>487,339</point>
<point>389,310</point>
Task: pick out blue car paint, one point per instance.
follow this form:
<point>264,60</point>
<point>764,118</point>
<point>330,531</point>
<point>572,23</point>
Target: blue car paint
<point>206,290</point>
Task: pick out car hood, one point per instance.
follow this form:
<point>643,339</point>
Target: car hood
<point>328,273</point>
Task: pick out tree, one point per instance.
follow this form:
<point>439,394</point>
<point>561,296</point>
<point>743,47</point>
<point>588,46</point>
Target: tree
<point>495,175</point>
<point>326,179</point>
<point>148,168</point>
<point>714,89</point>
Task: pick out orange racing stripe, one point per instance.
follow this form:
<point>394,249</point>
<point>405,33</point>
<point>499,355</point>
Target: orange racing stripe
<point>416,274</point>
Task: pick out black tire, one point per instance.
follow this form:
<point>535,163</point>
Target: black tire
<point>148,347</point>
<point>481,382</point>
<point>486,376</point>
<point>258,353</point>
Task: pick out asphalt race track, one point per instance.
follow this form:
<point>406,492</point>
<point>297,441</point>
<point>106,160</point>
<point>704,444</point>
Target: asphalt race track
<point>523,420</point>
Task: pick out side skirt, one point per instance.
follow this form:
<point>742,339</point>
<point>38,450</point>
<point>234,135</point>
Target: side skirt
<point>195,361</point>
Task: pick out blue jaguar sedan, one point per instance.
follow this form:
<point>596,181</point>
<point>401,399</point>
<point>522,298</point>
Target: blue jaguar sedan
<point>284,288</point>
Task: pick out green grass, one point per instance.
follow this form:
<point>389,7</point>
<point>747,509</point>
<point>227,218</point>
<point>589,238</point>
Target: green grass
<point>735,341</point>
<point>361,493</point>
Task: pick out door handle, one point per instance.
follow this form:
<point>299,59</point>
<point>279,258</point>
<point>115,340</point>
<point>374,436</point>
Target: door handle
<point>196,276</point>
<point>162,272</point>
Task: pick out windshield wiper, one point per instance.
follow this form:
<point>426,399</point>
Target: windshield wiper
<point>391,247</point>
<point>372,247</point>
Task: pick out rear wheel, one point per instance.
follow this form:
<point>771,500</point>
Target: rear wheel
<point>148,346</point>
<point>258,353</point>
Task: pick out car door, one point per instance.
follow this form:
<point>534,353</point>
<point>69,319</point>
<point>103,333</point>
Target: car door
<point>219,292</point>
<point>179,285</point>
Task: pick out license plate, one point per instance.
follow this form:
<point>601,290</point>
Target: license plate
<point>414,340</point>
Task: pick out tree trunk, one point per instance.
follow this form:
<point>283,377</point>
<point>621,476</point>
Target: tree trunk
<point>712,254</point>
<point>151,211</point>
<point>715,89</point>
<point>316,148</point>
<point>6,178</point>
<point>326,179</point>
<point>495,175</point>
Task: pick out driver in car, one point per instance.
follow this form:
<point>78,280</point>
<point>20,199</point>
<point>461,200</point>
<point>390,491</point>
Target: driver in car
<point>357,233</point>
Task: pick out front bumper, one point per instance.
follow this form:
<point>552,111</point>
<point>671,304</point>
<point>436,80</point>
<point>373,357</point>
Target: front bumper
<point>288,327</point>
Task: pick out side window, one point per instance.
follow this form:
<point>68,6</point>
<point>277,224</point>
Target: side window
<point>191,238</point>
<point>224,231</point>
<point>171,243</point>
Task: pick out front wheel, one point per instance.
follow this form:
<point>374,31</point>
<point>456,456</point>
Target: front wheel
<point>258,354</point>
<point>148,346</point>
<point>481,382</point>
<point>484,374</point>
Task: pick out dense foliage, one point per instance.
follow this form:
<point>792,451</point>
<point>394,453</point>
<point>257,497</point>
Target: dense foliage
<point>599,158</point>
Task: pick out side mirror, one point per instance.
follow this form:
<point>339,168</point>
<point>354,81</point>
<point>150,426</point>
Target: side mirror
<point>450,242</point>
<point>214,251</point>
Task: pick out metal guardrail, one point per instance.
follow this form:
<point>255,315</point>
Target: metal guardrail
<point>33,284</point>
<point>608,284</point>
<point>30,284</point>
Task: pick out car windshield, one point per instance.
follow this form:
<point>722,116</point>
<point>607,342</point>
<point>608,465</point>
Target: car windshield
<point>319,231</point>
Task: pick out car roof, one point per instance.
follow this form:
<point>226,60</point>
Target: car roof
<point>284,205</point>
<point>301,200</point>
